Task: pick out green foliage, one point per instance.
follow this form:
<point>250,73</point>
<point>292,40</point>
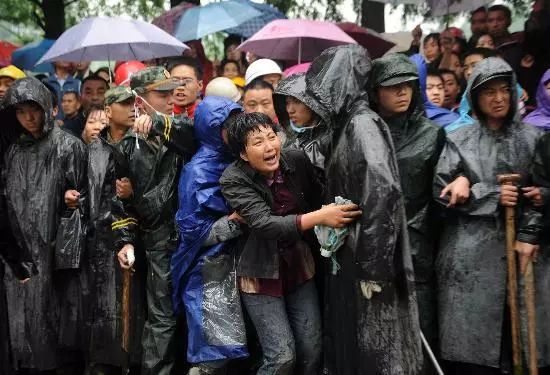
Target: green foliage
<point>520,8</point>
<point>311,9</point>
<point>28,14</point>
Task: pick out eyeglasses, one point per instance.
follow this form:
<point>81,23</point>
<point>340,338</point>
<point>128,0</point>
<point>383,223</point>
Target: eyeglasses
<point>184,81</point>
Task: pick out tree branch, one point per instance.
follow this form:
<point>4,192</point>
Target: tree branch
<point>37,3</point>
<point>67,3</point>
<point>39,20</point>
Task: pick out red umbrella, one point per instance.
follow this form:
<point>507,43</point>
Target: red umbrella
<point>169,20</point>
<point>375,43</point>
<point>6,48</point>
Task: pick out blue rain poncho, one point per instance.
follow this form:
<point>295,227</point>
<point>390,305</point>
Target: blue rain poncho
<point>204,281</point>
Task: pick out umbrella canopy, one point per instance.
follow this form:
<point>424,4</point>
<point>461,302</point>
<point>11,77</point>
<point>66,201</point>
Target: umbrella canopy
<point>375,43</point>
<point>295,39</point>
<point>251,27</point>
<point>295,69</point>
<point>444,7</point>
<point>27,56</point>
<point>200,21</point>
<point>113,38</point>
<point>169,20</point>
<point>6,49</point>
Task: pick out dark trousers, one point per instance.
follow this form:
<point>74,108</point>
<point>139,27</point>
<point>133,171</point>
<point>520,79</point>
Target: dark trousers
<point>159,333</point>
<point>289,330</point>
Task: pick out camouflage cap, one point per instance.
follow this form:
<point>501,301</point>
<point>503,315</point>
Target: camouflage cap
<point>153,78</point>
<point>118,94</point>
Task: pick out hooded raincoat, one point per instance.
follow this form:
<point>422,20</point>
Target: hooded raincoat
<point>418,143</point>
<point>111,226</point>
<point>441,116</point>
<point>204,274</point>
<point>471,265</point>
<point>381,334</point>
<point>22,267</point>
<point>316,139</point>
<point>540,117</point>
<point>44,314</point>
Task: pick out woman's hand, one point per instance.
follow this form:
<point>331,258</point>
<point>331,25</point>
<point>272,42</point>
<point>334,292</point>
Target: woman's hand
<point>338,216</point>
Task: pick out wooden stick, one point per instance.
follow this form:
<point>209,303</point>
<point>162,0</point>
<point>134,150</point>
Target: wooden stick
<point>126,279</point>
<point>510,179</point>
<point>529,279</point>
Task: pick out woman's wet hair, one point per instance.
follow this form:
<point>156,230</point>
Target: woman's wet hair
<point>244,124</point>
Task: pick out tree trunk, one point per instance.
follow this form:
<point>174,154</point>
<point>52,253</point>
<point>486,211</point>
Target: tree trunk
<point>372,15</point>
<point>174,3</point>
<point>54,18</point>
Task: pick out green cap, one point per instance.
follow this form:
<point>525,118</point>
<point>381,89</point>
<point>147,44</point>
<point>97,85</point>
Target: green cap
<point>153,78</point>
<point>118,94</point>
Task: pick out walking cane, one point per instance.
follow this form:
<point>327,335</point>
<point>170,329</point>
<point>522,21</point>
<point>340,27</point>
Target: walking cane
<point>126,279</point>
<point>510,179</point>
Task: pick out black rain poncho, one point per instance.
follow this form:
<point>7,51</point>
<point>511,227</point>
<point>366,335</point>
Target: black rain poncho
<point>45,314</point>
<point>471,265</point>
<point>379,335</point>
<point>418,143</point>
<point>111,225</point>
<point>317,138</point>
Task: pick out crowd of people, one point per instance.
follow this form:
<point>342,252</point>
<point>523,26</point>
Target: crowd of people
<point>179,216</point>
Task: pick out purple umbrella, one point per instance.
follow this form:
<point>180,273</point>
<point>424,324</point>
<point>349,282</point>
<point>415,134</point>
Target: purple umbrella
<point>295,39</point>
<point>113,38</point>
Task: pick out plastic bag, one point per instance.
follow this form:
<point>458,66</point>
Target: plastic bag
<point>69,243</point>
<point>222,314</point>
<point>331,239</point>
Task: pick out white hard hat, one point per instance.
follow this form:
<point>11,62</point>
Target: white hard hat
<point>223,86</point>
<point>260,68</point>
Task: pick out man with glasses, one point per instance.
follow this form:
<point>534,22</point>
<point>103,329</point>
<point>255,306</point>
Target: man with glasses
<point>187,96</point>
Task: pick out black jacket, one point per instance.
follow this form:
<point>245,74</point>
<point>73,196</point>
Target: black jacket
<point>248,194</point>
<point>153,166</point>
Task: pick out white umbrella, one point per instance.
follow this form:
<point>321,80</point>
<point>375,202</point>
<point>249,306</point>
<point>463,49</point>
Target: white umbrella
<point>444,7</point>
<point>113,38</point>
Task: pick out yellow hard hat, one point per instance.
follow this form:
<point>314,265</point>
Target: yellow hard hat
<point>12,71</point>
<point>238,81</point>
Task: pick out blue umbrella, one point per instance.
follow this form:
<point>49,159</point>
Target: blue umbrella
<point>213,17</point>
<point>249,28</point>
<point>27,56</point>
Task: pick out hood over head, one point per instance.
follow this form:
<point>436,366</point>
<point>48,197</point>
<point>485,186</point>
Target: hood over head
<point>25,90</point>
<point>338,77</point>
<point>209,118</point>
<point>540,117</point>
<point>295,86</point>
<point>487,70</point>
<point>396,68</point>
